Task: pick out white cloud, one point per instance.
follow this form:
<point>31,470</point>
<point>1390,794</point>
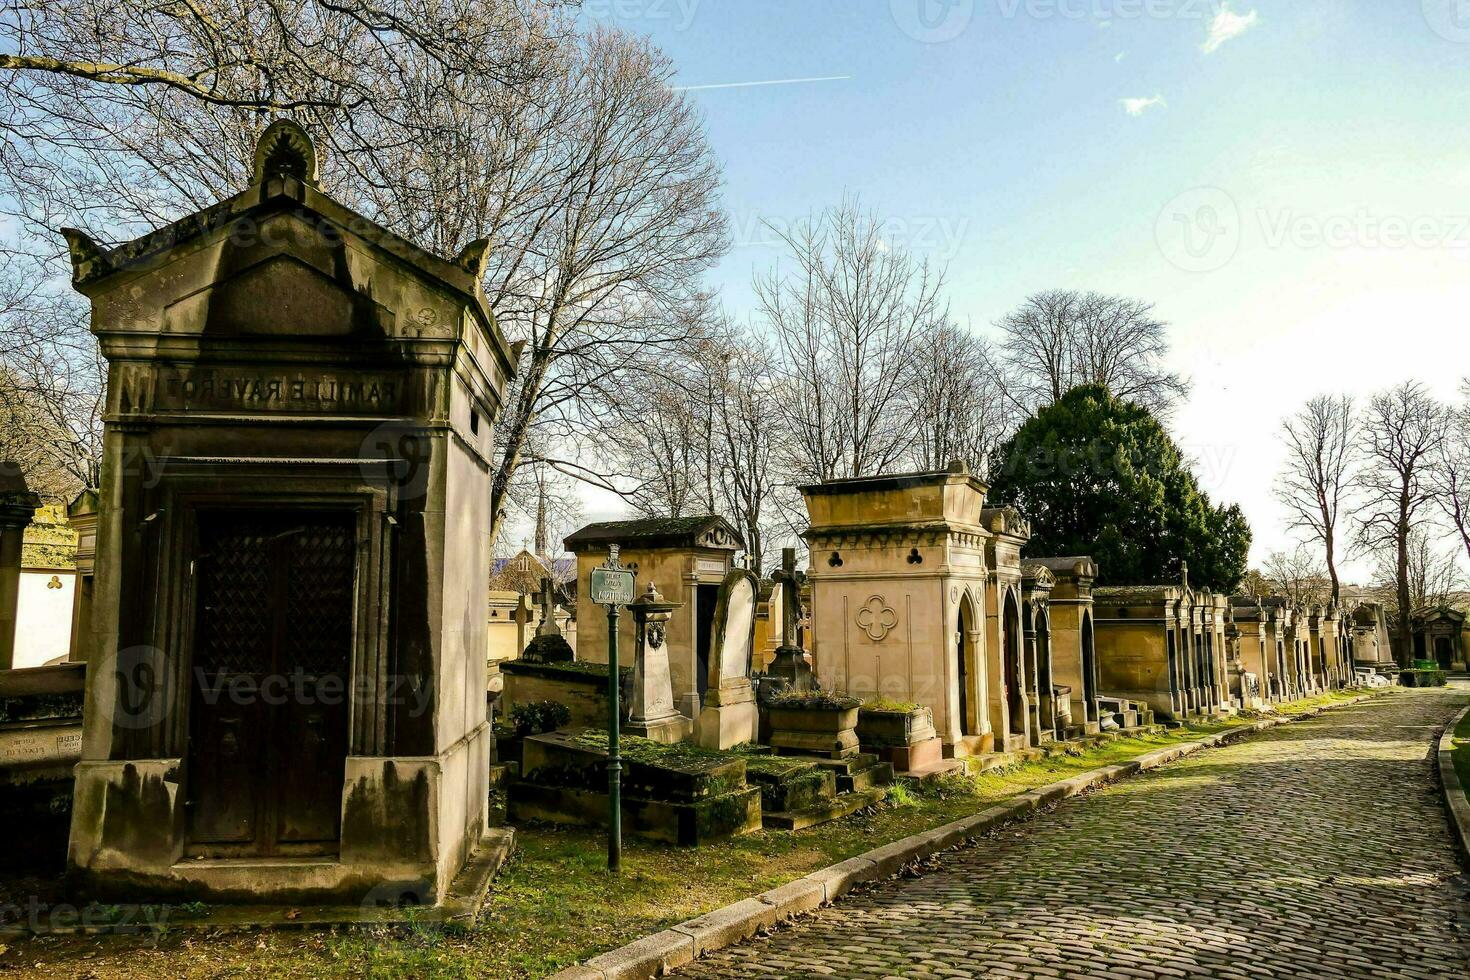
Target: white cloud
<point>1137,107</point>
<point>1120,56</point>
<point>1227,26</point>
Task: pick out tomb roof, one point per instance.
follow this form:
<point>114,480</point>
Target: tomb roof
<point>1005,520</point>
<point>284,180</point>
<point>1138,593</point>
<point>704,531</point>
<point>1075,566</point>
<point>895,481</point>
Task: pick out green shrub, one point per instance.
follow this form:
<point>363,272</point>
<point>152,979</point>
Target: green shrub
<point>1423,678</point>
<point>539,717</point>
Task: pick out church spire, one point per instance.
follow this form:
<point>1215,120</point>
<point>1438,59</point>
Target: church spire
<point>541,545</point>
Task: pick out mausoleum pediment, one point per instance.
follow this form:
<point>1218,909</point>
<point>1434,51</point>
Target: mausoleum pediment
<point>302,301</point>
<point>282,245</point>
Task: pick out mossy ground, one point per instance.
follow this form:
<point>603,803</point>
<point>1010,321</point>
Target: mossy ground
<point>555,903</point>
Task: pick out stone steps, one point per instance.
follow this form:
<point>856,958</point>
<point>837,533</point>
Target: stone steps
<point>877,775</point>
<point>842,805</point>
<point>936,770</point>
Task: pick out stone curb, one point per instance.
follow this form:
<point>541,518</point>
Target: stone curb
<point>656,955</point>
<point>1454,791</point>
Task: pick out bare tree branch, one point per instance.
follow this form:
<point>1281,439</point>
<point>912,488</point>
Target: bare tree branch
<point>1060,338</point>
<point>1322,457</point>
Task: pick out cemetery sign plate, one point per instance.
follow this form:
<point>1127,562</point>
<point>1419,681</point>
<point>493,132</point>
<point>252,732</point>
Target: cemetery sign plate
<point>611,587</point>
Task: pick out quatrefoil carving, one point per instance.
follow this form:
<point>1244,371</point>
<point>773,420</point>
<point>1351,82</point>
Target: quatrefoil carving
<point>876,618</point>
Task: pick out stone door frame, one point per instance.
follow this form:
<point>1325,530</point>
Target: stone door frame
<point>193,484</point>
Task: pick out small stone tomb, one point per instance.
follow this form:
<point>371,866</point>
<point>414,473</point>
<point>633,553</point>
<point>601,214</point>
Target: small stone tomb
<point>680,794</point>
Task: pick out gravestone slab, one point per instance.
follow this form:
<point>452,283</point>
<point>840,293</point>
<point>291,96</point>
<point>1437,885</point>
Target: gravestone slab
<point>729,716</point>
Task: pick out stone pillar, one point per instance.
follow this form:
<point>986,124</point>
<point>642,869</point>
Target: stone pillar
<point>651,711</point>
<point>82,515</point>
<point>17,506</point>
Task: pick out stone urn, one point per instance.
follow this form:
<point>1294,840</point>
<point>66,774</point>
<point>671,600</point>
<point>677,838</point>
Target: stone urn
<point>814,723</point>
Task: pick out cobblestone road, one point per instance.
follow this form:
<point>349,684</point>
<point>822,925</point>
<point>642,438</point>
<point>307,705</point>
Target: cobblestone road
<point>1319,849</point>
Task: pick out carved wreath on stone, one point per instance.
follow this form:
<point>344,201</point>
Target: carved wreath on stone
<point>655,635</point>
<point>876,618</point>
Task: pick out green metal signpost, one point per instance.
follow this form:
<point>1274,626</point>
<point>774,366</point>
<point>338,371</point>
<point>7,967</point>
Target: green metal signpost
<point>612,585</point>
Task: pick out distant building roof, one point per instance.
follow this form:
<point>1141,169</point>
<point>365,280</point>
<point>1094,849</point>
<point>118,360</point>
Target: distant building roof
<point>705,531</point>
<point>560,568</point>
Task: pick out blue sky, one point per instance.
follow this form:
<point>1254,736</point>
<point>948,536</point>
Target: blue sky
<point>1297,203</point>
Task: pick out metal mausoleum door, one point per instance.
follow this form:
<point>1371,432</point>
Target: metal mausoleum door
<point>270,684</point>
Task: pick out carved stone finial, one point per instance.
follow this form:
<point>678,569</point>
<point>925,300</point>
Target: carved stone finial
<point>473,256</point>
<point>87,258</point>
<point>284,150</point>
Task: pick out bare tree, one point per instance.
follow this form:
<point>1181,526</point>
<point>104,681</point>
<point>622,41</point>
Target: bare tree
<point>1255,585</point>
<point>589,177</point>
<point>662,460</point>
<point>50,381</point>
<point>281,55</point>
<point>960,409</point>
<point>1322,455</point>
<point>1433,576</point>
<point>748,434</point>
<point>847,323</point>
<point>1451,472</point>
<point>1403,433</point>
<point>1060,338</point>
<point>1299,575</point>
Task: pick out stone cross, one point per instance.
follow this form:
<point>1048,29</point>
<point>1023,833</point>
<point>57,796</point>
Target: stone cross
<point>548,611</point>
<point>790,596</point>
<point>790,661</point>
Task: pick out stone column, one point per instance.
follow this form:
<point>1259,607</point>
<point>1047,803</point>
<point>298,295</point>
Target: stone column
<point>651,711</point>
<point>17,507</point>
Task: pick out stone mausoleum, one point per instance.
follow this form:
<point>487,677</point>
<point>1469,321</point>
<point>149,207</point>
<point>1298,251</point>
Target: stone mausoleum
<point>286,700</point>
<point>687,559</point>
<point>899,603</point>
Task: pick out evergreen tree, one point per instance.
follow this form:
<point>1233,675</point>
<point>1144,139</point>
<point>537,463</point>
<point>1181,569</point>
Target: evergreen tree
<point>1099,476</point>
